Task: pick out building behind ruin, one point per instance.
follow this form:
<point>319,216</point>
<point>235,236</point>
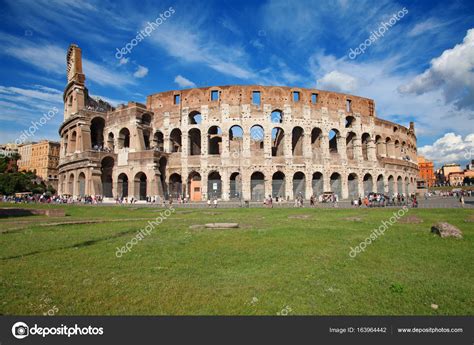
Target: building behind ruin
<point>230,142</point>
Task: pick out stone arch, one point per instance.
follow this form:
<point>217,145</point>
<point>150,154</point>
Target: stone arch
<point>111,142</point>
<point>124,138</point>
<point>97,132</point>
<point>278,184</point>
<point>336,184</point>
<point>140,181</point>
<point>278,142</point>
<point>365,140</point>
<point>257,186</point>
<point>194,138</point>
<point>81,184</point>
<point>194,118</point>
<point>368,184</point>
<point>350,121</point>
<point>299,185</point>
<point>175,189</point>
<point>297,141</point>
<point>399,185</point>
<point>236,141</point>
<point>350,141</point>
<point>353,186</point>
<point>73,145</point>
<point>107,166</point>
<point>214,185</point>
<point>214,140</point>
<point>159,141</point>
<point>235,186</point>
<point>334,135</point>
<point>146,119</point>
<point>380,184</point>
<point>257,136</point>
<point>70,183</point>
<point>316,140</point>
<point>194,186</point>
<point>391,186</point>
<point>122,186</point>
<point>318,183</point>
<point>276,116</point>
<point>175,140</point>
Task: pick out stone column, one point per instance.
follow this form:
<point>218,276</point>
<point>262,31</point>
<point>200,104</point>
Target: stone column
<point>344,186</point>
<point>225,185</point>
<point>308,185</point>
<point>204,185</point>
<point>341,148</point>
<point>246,185</point>
<point>371,151</point>
<point>324,146</point>
<point>307,144</point>
<point>357,147</point>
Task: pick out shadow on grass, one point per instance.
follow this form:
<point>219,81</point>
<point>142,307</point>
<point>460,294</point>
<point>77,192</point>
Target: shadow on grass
<point>77,245</point>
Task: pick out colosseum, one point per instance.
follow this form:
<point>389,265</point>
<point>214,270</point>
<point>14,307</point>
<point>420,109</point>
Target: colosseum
<point>230,142</point>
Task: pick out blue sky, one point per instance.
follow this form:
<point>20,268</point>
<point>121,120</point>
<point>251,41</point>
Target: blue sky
<point>421,70</point>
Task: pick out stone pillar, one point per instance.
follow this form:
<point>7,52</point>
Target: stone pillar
<point>246,142</point>
<point>307,144</point>
<point>341,148</point>
<point>391,149</point>
<point>204,185</point>
<point>361,185</point>
<point>225,185</point>
<point>344,186</point>
<point>308,185</point>
<point>204,141</point>
<point>382,148</point>
<point>267,144</point>
<point>289,186</point>
<point>324,146</point>
<point>371,151</point>
<point>268,185</point>
<point>167,142</point>
<point>246,185</point>
<point>225,144</point>
<point>357,147</point>
<point>184,144</point>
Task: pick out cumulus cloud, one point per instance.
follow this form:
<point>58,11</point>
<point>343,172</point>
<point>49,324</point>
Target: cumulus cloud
<point>449,148</point>
<point>452,72</point>
<point>338,81</point>
<point>140,72</point>
<point>183,82</point>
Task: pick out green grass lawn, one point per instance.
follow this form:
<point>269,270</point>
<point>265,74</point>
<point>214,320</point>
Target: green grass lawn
<point>272,262</point>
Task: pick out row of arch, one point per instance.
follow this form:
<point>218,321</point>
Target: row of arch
<point>174,186</point>
<point>384,146</point>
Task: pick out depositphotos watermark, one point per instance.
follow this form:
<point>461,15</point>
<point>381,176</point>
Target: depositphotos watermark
<point>35,125</point>
<point>378,232</point>
<point>21,330</point>
<point>146,231</point>
<point>376,34</point>
<point>145,32</point>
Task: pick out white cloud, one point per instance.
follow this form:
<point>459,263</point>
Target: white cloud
<point>52,59</point>
<point>195,46</point>
<point>141,72</point>
<point>450,148</point>
<point>183,82</point>
<point>452,72</point>
<point>338,81</point>
<point>425,26</point>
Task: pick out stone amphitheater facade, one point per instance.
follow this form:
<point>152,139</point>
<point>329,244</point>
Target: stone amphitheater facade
<point>230,142</point>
